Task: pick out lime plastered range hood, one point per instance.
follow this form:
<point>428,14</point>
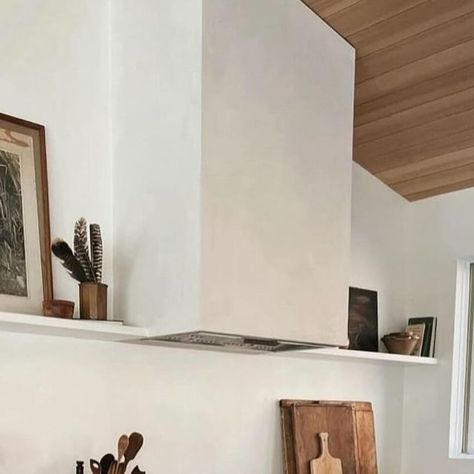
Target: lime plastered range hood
<point>240,183</point>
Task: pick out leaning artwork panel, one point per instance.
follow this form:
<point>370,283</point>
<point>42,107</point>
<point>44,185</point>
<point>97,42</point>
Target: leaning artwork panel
<point>363,320</point>
<point>13,279</point>
<point>25,258</point>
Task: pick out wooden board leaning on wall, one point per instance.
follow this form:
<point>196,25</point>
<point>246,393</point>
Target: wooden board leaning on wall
<point>350,426</point>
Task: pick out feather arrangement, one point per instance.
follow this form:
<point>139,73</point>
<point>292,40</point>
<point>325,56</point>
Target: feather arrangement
<point>96,251</point>
<point>81,265</point>
<point>62,250</point>
<point>81,248</point>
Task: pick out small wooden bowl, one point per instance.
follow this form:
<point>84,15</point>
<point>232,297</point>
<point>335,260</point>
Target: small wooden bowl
<point>58,308</point>
<point>400,345</point>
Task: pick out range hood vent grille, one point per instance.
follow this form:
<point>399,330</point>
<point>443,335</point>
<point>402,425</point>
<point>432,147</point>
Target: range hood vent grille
<point>232,341</point>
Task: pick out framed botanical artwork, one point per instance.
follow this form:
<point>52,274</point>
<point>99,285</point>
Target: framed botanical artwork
<point>25,257</point>
<point>363,320</point>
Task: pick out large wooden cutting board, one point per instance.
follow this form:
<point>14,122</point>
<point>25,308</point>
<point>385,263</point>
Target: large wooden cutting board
<point>351,434</point>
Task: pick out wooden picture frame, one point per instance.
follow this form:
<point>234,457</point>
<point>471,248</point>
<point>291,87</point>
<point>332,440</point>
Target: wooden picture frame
<point>25,239</point>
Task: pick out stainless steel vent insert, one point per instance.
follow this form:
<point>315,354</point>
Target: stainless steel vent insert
<point>233,341</point>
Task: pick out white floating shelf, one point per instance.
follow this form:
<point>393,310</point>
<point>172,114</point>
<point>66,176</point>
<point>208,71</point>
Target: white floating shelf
<point>75,328</point>
<point>362,356</point>
<point>118,332</point>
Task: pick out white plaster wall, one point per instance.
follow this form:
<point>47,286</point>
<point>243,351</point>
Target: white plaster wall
<point>379,246</point>
<point>379,239</point>
<point>67,400</point>
<point>156,57</point>
<point>54,71</point>
<point>63,399</point>
<point>199,411</point>
<point>442,230</point>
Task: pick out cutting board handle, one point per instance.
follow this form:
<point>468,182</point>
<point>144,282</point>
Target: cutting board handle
<point>324,444</point>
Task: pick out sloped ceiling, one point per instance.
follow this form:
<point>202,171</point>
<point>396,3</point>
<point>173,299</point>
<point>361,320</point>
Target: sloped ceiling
<point>414,114</point>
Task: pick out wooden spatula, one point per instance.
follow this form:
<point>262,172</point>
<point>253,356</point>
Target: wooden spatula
<point>122,446</point>
<point>325,464</point>
<point>134,445</point>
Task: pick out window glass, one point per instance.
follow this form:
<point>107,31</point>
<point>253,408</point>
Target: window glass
<point>468,428</point>
<point>461,440</point>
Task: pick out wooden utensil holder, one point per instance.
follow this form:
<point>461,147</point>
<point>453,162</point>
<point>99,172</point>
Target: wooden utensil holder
<point>93,301</point>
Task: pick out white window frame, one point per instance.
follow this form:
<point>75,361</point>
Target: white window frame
<point>461,353</point>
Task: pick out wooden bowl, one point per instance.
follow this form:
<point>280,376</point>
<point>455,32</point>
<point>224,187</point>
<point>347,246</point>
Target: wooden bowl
<point>58,308</point>
<point>400,345</point>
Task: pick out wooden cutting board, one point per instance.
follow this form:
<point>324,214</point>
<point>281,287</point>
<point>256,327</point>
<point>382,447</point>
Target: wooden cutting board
<point>350,426</point>
<point>325,464</point>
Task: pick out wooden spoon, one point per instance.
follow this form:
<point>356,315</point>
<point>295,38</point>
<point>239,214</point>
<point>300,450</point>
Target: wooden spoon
<point>95,466</point>
<point>106,462</point>
<point>134,445</point>
<point>122,446</point>
<point>136,470</point>
<point>121,468</point>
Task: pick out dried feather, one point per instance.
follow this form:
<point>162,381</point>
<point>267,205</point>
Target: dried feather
<point>96,250</point>
<point>81,248</point>
<point>64,253</point>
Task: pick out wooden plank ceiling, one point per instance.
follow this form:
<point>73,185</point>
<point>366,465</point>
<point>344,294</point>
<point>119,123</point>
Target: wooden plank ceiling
<point>414,112</point>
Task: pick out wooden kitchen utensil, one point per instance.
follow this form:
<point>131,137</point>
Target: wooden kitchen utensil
<point>95,466</point>
<point>325,464</point>
<point>122,446</point>
<point>105,463</point>
<point>127,449</point>
<point>134,445</point>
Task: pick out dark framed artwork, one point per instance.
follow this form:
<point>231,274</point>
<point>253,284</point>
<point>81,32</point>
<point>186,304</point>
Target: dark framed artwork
<point>363,320</point>
<point>25,242</point>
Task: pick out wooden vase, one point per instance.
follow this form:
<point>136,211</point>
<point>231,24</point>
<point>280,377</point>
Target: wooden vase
<point>93,301</point>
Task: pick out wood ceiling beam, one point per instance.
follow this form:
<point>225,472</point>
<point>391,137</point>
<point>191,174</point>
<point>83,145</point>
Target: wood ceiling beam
<point>366,13</point>
<point>417,72</point>
<point>449,188</point>
<point>407,24</point>
<point>419,152</point>
<point>326,8</point>
<point>433,181</point>
<point>428,166</point>
<point>427,43</point>
<point>421,136</point>
<point>438,87</point>
<point>408,119</point>
<point>427,121</point>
